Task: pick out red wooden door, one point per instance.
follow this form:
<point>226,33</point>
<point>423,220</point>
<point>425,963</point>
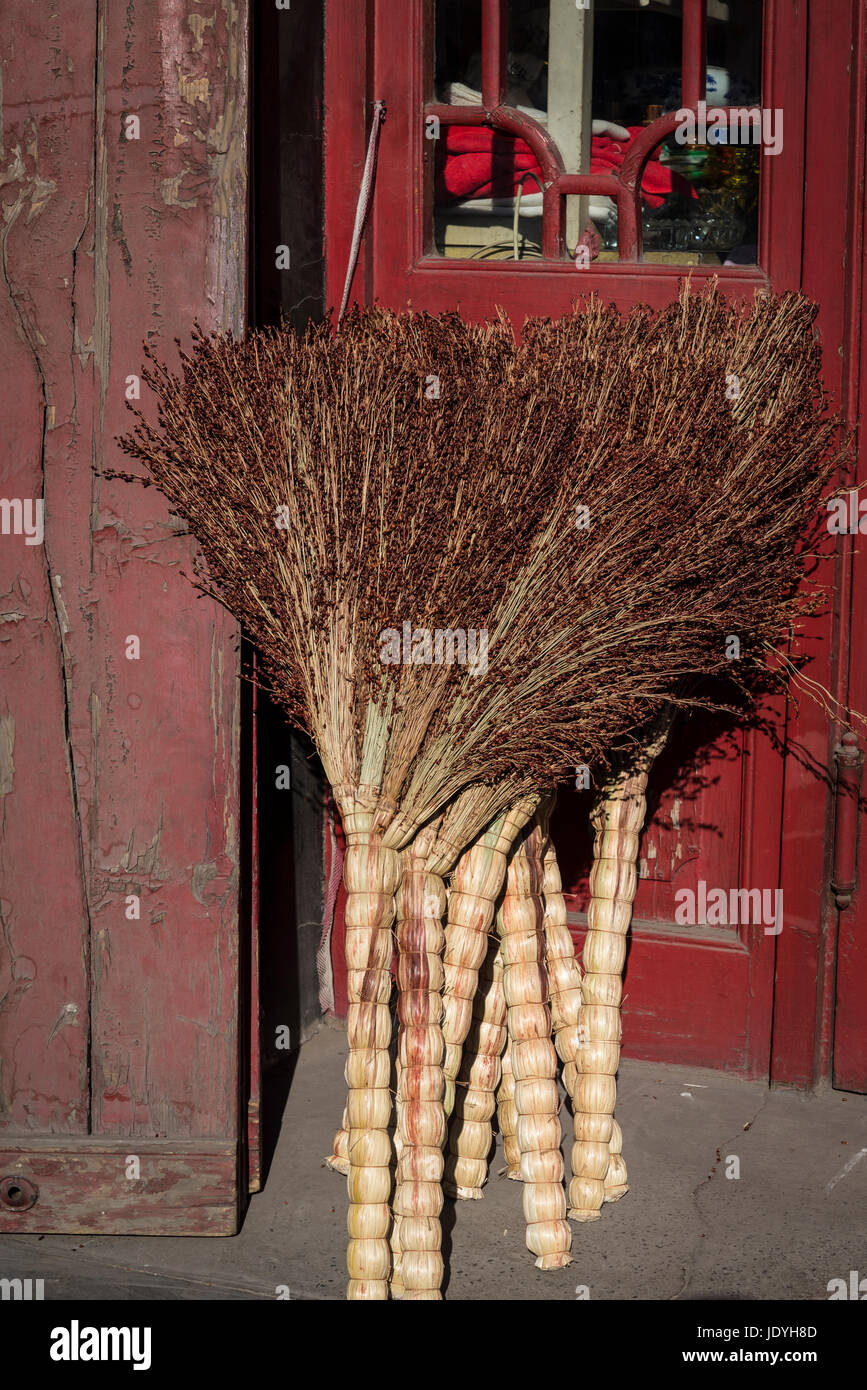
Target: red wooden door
<point>124,219</point>
<point>727,812</point>
<point>849,958</point>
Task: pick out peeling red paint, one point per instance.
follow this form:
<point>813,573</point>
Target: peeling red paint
<point>118,777</point>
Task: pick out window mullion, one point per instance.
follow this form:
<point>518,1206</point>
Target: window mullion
<point>694,52</point>
<point>494,43</point>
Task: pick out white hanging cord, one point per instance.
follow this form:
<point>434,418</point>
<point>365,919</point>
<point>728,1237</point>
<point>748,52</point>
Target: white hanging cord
<point>364,199</point>
<point>516,255</point>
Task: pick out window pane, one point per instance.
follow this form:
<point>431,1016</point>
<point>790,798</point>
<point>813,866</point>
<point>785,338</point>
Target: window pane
<point>594,78</point>
<point>487,185</point>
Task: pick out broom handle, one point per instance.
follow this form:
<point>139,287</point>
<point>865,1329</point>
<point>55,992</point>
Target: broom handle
<point>371,874</point>
<point>564,972</point>
<point>617,819</point>
<point>507,1115</point>
<point>470,1130</point>
<point>534,1061</point>
<point>420,906</point>
<point>477,881</point>
<point>564,983</point>
<point>565,999</point>
<point>396,1288</point>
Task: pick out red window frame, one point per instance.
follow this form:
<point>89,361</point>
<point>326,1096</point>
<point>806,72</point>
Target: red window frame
<point>625,186</point>
<point>387,54</point>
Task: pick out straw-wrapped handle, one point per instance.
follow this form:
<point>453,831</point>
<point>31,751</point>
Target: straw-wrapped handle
<point>371,874</point>
<point>421,1121</point>
<point>507,1115</point>
<point>470,1130</point>
<point>476,884</point>
<point>618,819</point>
<point>534,1061</point>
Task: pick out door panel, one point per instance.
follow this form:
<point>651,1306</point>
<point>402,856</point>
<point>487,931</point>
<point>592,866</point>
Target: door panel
<point>696,993</point>
<point>694,825</point>
<point>119,770</point>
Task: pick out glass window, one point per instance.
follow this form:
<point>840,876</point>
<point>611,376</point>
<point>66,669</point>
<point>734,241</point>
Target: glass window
<point>594,78</point>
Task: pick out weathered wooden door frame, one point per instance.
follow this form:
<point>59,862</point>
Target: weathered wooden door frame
<point>125,219</point>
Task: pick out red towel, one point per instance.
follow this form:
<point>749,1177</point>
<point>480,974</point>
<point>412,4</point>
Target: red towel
<point>477,162</point>
<point>607,155</point>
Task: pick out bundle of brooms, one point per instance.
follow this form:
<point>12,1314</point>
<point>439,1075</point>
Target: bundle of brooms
<point>771,369</point>
<point>461,594</point>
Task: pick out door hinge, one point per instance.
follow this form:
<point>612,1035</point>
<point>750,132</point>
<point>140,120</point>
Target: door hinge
<point>849,760</point>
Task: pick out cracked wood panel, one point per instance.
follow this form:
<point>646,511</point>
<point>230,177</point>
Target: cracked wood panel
<point>110,242</point>
<point>45,162</point>
<point>187,1187</point>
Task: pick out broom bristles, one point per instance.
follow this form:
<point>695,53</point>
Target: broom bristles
<point>458,513</point>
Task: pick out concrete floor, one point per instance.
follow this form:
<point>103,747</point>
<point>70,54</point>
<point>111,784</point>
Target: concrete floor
<point>794,1219</point>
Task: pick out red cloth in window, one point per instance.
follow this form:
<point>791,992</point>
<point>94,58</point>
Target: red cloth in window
<point>607,154</point>
<point>477,162</point>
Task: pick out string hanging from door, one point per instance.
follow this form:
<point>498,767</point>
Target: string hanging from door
<point>365,197</point>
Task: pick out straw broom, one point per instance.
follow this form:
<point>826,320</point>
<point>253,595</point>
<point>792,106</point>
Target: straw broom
<point>615,1144</point>
<point>601,345</point>
<point>599,1059</point>
<point>534,1061</point>
<point>379,743</point>
<point>270,388</point>
<point>470,1130</point>
<point>289,425</point>
<point>708,324</point>
<point>619,815</point>
<point>615,1184</point>
<point>618,819</point>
